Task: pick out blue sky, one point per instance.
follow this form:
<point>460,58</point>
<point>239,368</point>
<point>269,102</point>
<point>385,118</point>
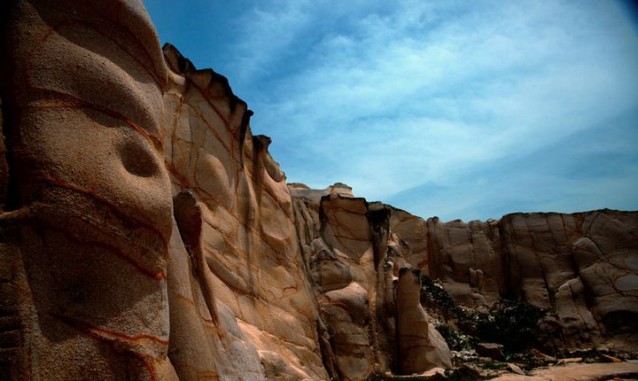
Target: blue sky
<point>456,109</point>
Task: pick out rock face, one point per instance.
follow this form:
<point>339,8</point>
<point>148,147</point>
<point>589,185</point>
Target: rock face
<point>86,221</point>
<point>580,266</point>
<point>373,324</point>
<point>235,275</point>
<point>421,346</point>
<point>146,234</point>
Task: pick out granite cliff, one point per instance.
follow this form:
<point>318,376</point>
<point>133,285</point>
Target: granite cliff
<point>147,234</point>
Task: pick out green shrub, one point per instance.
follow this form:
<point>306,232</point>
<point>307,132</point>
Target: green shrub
<point>455,339</point>
<point>511,323</point>
<point>434,296</point>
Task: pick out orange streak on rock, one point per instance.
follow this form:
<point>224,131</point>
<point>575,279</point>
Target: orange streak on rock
<point>256,233</point>
<point>70,101</point>
<point>158,276</point>
<point>121,26</point>
<point>55,181</point>
<point>115,339</point>
<point>251,173</point>
<point>194,305</point>
<point>146,363</point>
<point>96,27</point>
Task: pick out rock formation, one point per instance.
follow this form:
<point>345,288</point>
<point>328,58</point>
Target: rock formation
<point>580,266</point>
<point>235,274</point>
<point>421,346</point>
<point>355,261</point>
<point>147,234</point>
<point>87,212</point>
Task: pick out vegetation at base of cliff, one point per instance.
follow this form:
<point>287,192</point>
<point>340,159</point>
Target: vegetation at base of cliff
<point>512,323</point>
<point>456,340</point>
<point>464,373</point>
<point>434,296</point>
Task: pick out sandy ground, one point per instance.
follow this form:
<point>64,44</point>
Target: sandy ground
<point>579,372</point>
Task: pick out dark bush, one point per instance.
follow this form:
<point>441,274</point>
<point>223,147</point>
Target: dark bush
<point>455,340</point>
<point>511,323</point>
<point>434,296</point>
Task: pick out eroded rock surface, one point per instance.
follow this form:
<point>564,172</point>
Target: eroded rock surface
<point>87,213</point>
<point>421,346</point>
<point>373,323</point>
<point>147,234</point>
<point>580,267</point>
<point>248,294</point>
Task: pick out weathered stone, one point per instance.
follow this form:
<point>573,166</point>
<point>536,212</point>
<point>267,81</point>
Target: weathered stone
<point>421,347</point>
<point>515,368</point>
<point>82,111</point>
<point>491,350</point>
<point>580,266</point>
<point>246,258</point>
<point>326,270</point>
<point>161,241</point>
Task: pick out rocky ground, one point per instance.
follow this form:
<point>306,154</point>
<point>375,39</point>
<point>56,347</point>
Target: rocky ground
<point>515,328</point>
<point>590,368</point>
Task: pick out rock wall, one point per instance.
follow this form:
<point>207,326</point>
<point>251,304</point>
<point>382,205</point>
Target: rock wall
<point>355,260</point>
<point>87,207</point>
<point>581,266</point>
<point>238,277</point>
<point>147,234</point>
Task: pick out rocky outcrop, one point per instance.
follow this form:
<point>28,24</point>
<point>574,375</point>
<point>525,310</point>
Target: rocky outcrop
<point>86,222</point>
<point>374,321</point>
<point>235,275</point>
<point>570,265</point>
<point>147,234</point>
<point>580,266</point>
<point>421,346</point>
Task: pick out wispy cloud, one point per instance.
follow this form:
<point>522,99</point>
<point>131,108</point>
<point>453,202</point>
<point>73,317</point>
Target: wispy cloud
<point>413,101</point>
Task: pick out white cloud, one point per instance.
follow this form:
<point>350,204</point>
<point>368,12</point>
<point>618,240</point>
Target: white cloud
<point>388,98</point>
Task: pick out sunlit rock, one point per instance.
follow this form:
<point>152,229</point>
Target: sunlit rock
<point>147,234</point>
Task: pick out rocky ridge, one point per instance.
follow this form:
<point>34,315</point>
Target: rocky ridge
<point>544,260</point>
<point>162,242</point>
